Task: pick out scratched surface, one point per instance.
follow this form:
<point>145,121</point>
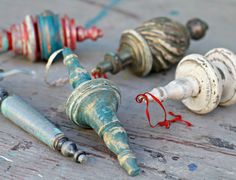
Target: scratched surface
<point>205,151</point>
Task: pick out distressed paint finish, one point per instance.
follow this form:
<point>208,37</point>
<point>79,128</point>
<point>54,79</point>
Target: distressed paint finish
<point>184,145</point>
<point>26,117</point>
<point>4,44</point>
<point>93,104</point>
<point>203,82</point>
<point>49,27</point>
<point>38,37</point>
<point>22,114</point>
<point>155,45</point>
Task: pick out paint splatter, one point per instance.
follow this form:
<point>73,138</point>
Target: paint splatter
<point>192,167</point>
<point>174,12</point>
<point>102,14</point>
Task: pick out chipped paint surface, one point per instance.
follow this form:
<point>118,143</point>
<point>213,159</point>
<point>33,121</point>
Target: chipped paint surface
<point>30,120</point>
<point>203,82</point>
<point>26,117</point>
<point>155,45</point>
<point>40,36</point>
<point>49,28</point>
<point>93,104</point>
<point>4,45</point>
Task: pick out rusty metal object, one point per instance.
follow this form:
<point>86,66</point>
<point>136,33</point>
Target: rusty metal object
<point>203,82</point>
<point>93,104</point>
<point>26,117</point>
<point>38,37</point>
<point>155,45</point>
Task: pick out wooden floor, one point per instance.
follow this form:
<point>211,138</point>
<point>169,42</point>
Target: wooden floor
<point>205,151</point>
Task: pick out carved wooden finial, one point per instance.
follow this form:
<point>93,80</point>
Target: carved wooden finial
<point>203,82</point>
<point>155,45</point>
<point>38,37</point>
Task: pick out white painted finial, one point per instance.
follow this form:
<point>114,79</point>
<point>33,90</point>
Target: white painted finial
<point>203,82</point>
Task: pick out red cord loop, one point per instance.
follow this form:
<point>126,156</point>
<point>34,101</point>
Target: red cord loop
<point>97,74</point>
<point>176,118</point>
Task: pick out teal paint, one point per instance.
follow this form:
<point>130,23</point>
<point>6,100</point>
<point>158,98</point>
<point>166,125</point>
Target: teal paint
<point>77,73</point>
<point>49,27</point>
<point>102,14</point>
<point>93,104</point>
<point>26,117</point>
<point>30,120</point>
<point>4,44</point>
<point>174,12</point>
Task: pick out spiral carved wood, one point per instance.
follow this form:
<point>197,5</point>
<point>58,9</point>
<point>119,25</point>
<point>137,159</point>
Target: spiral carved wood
<point>155,45</point>
<point>168,41</point>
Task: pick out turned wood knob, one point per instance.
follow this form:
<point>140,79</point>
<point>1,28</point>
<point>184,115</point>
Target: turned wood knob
<point>155,45</point>
<point>38,37</point>
<point>203,82</point>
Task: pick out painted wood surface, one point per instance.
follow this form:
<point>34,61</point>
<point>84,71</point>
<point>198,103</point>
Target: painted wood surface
<point>205,151</point>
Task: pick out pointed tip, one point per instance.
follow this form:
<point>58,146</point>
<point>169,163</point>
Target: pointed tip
<point>130,165</point>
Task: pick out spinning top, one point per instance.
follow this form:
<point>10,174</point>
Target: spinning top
<point>39,37</point>
<point>202,82</point>
<point>155,45</point>
<point>25,116</point>
<point>93,104</point>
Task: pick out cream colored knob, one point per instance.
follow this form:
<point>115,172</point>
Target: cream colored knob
<point>203,82</point>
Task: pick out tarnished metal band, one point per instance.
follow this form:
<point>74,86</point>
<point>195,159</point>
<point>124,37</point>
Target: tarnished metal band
<point>57,140</point>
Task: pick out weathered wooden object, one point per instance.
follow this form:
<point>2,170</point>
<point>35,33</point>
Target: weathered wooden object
<point>203,82</point>
<point>26,117</point>
<point>155,45</point>
<point>39,37</point>
<point>93,104</point>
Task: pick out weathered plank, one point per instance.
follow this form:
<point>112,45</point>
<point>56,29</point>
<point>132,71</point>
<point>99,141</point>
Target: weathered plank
<point>205,151</point>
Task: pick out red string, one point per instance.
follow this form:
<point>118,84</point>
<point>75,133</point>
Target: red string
<point>96,75</point>
<point>165,122</point>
